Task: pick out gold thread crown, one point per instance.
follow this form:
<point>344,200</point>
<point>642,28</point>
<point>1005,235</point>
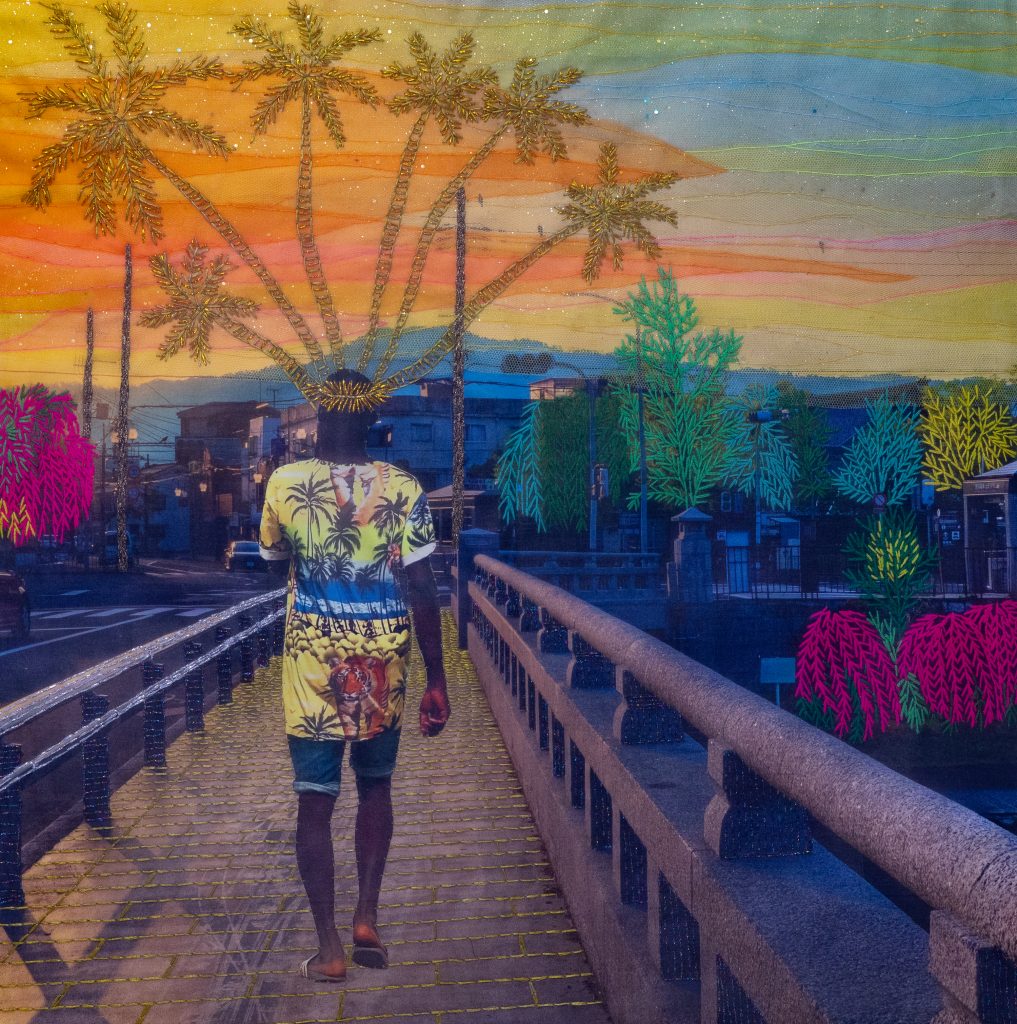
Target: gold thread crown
<point>347,395</point>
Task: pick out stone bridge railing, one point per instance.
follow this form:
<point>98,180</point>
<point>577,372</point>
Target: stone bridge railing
<point>692,873</point>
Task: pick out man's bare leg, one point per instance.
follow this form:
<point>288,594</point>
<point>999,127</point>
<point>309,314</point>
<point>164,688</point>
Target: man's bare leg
<point>316,861</point>
<point>372,840</point>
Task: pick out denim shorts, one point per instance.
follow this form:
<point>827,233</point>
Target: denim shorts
<point>317,764</point>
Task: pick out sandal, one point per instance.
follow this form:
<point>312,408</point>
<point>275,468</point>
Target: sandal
<point>370,954</point>
<point>313,974</point>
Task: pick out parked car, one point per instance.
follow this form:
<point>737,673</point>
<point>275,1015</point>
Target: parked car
<point>111,549</point>
<point>15,612</point>
<point>243,554</point>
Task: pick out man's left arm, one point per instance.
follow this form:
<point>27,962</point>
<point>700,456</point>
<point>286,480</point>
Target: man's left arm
<point>422,595</point>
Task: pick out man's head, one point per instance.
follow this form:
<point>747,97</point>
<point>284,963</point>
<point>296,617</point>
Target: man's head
<point>341,432</point>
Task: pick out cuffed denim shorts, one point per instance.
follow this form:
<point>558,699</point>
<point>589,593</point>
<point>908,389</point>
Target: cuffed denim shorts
<point>317,764</point>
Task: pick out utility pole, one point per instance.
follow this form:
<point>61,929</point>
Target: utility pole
<point>86,384</point>
<point>644,530</point>
<point>459,375</point>
<point>123,429</point>
<point>592,386</point>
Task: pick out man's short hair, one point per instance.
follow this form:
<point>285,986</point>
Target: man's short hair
<point>338,429</point>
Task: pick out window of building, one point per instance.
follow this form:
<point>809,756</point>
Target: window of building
<point>422,433</point>
<point>476,433</point>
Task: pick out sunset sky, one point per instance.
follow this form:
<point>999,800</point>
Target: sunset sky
<point>846,201</point>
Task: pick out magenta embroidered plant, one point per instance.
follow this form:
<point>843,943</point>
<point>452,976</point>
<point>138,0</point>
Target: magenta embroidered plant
<point>844,666</point>
<point>46,466</point>
<point>959,668</point>
<point>964,662</point>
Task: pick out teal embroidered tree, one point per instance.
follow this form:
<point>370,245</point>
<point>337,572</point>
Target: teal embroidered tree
<point>763,462</point>
<point>544,469</point>
<point>809,433</point>
<point>518,472</point>
<point>694,434</point>
<point>884,457</point>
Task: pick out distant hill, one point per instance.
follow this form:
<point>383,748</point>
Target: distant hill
<point>154,405</point>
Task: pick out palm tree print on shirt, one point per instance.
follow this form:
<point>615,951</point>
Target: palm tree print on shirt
<point>350,530</point>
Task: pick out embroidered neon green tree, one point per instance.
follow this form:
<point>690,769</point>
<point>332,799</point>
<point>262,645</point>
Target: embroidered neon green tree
<point>966,431</point>
<point>694,434</point>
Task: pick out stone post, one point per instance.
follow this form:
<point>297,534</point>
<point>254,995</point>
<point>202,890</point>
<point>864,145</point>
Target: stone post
<point>748,817</point>
<point>471,543</point>
<point>979,982</point>
<point>692,582</point>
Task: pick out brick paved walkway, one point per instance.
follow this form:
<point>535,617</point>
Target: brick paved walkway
<point>191,908</point>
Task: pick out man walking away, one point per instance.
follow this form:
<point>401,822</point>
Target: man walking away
<point>357,535</point>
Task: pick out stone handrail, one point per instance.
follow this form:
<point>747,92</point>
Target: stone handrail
<point>770,765</point>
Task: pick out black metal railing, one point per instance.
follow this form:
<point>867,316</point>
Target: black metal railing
<point>254,641</point>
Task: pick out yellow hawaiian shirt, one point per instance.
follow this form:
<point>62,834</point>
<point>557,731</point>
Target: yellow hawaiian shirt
<point>349,531</point>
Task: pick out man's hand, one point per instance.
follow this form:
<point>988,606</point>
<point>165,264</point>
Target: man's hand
<point>434,710</point>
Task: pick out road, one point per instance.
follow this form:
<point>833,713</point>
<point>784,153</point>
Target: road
<point>82,618</point>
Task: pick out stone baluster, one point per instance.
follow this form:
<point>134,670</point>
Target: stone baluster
<point>529,618</point>
<point>194,691</point>
<point>978,980</point>
<point>588,669</point>
<point>552,638</point>
<point>641,717</point>
<point>12,894</point>
<point>673,931</point>
<point>155,718</point>
<point>748,817</point>
<point>500,591</point>
<point>95,783</point>
<point>513,606</point>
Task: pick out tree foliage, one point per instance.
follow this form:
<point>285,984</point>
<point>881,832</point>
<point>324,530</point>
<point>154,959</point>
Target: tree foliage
<point>841,661</point>
<point>891,568</point>
<point>518,471</point>
<point>884,457</point>
<point>46,466</point>
<point>692,430</point>
<point>120,105</point>
<point>809,432</point>
<point>544,469</point>
<point>965,431</point>
<point>763,459</point>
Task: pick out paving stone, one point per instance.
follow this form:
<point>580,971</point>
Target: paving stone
<point>436,998</point>
<point>192,910</point>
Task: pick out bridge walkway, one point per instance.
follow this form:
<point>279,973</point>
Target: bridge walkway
<point>190,908</point>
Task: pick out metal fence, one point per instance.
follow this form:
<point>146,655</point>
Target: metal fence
<point>45,722</point>
<point>772,571</point>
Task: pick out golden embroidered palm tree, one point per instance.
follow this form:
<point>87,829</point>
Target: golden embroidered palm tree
<point>197,303</point>
<point>526,110</point>
<point>310,74</point>
<point>611,212</point>
<point>118,105</point>
<point>442,88</point>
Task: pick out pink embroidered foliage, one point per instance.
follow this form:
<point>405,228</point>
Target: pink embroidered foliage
<point>965,663</point>
<point>46,466</point>
<point>842,658</point>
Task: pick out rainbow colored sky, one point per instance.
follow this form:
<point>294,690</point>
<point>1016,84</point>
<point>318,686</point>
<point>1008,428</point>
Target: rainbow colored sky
<point>848,199</point>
